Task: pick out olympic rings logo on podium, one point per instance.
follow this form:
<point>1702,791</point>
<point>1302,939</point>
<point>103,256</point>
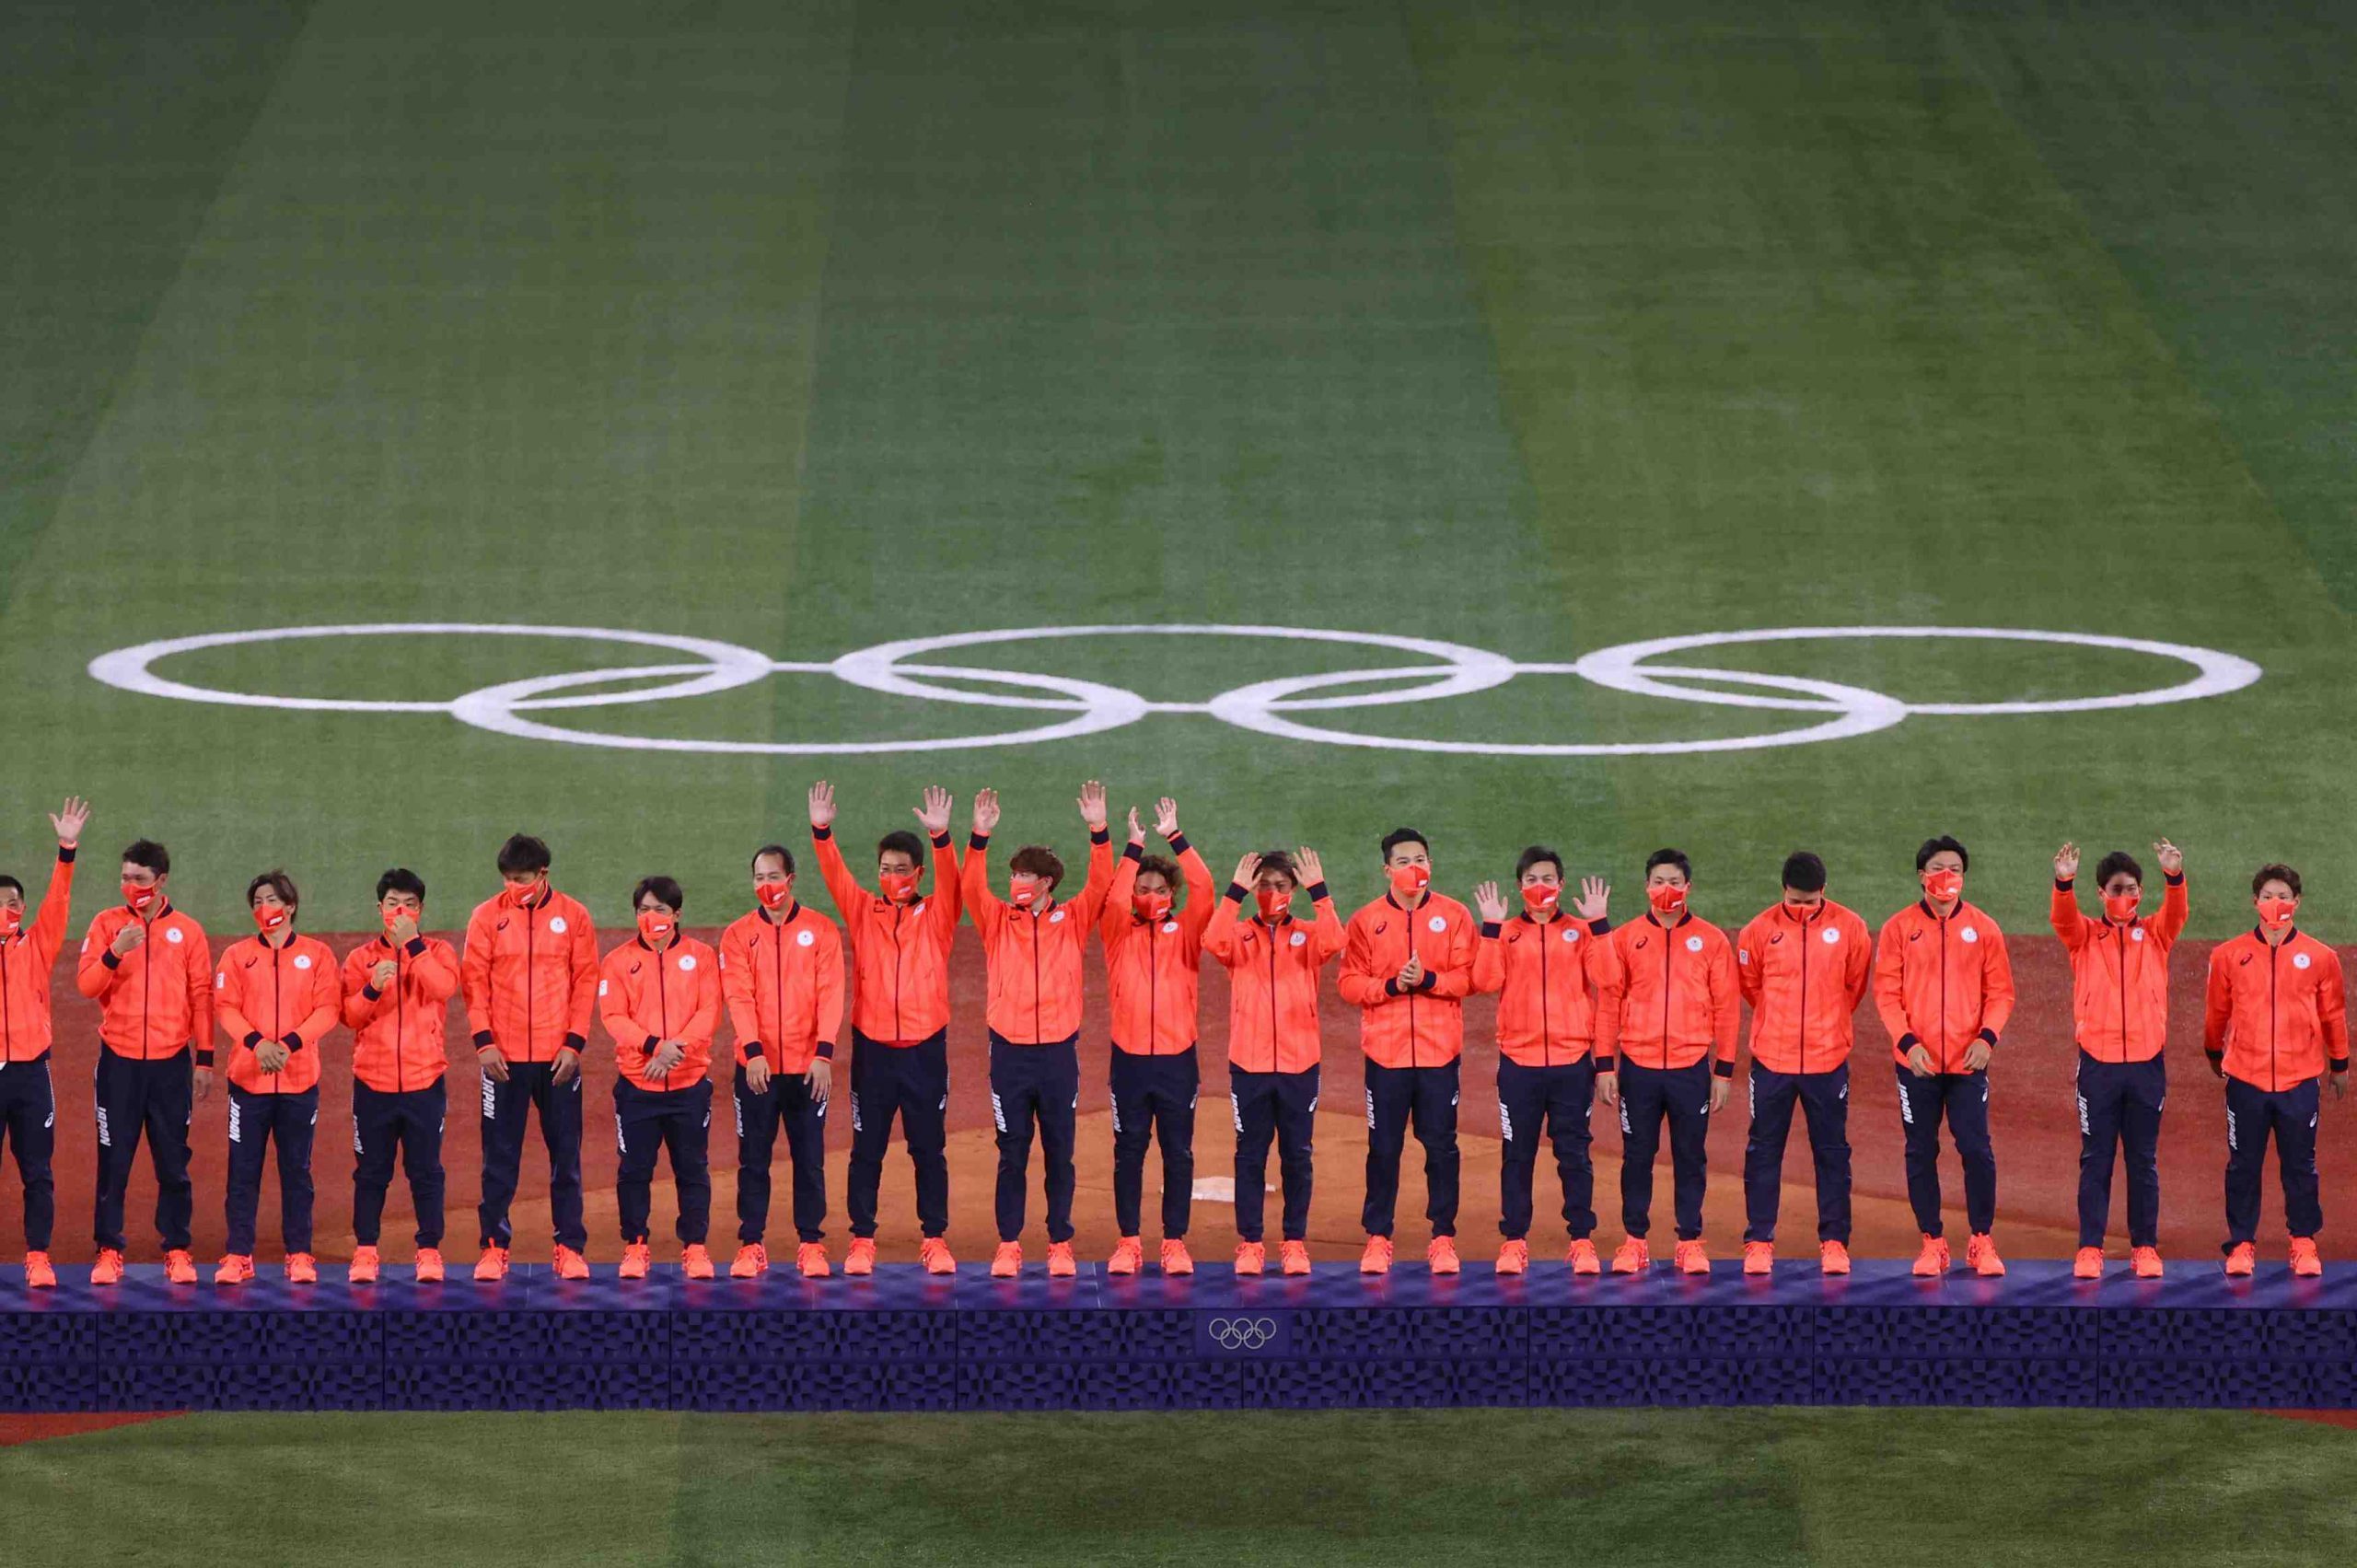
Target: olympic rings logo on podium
<point>1242,1333</point>
<point>1284,708</point>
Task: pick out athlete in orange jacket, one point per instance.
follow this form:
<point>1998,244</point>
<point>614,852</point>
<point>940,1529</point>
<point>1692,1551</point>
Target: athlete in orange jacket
<point>658,996</point>
<point>275,996</point>
<point>1033,947</point>
<point>397,991</point>
<point>530,977</point>
<point>1153,949</point>
<point>1804,964</point>
<point>1538,964</point>
<point>1668,1007</point>
<point>1944,990</point>
<point>900,940</point>
<point>2119,1009</point>
<point>150,970</point>
<point>1273,1039</point>
<point>1407,967</point>
<point>782,972</point>
<point>28,1098</point>
<point>2275,1019</point>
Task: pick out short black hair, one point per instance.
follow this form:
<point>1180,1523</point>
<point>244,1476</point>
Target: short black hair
<point>1163,867</point>
<point>8,881</point>
<point>277,882</point>
<point>900,839</point>
<point>1281,861</point>
<point>785,855</point>
<point>1534,856</point>
<point>149,853</point>
<point>1934,846</point>
<point>2275,871</point>
<point>401,879</point>
<point>2115,863</point>
<point>1398,836</point>
<point>1804,872</point>
<point>523,853</point>
<point>1038,860</point>
<point>666,891</point>
<point>1670,857</point>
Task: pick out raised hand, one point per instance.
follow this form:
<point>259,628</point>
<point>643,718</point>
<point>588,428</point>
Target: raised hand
<point>933,815</point>
<point>1248,870</point>
<point>1308,870</point>
<point>985,812</point>
<point>2172,858</point>
<point>1486,900</point>
<point>1595,897</point>
<point>69,820</point>
<point>1092,805</point>
<point>2066,863</point>
<point>1137,834</point>
<point>822,804</point>
<point>1165,818</point>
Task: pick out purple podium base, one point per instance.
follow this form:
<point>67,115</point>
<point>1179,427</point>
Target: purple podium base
<point>905,1341</point>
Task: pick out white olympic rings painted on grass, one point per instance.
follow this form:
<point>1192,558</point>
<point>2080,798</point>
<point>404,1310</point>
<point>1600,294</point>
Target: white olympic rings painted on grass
<point>1090,708</point>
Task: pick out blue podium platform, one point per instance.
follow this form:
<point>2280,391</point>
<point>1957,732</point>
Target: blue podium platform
<point>902,1339</point>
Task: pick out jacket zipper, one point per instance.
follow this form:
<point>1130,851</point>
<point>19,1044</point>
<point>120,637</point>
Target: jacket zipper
<point>401,1023</point>
<point>899,1029</point>
<point>1271,945</point>
<point>1545,1039</point>
<point>2274,1068</point>
<point>530,1001</point>
<point>1941,929</point>
<point>1665,954</point>
<point>1803,1029</point>
<point>663,1004</point>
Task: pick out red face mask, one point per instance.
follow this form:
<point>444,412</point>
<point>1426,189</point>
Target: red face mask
<point>2276,913</point>
<point>1273,905</point>
<point>1667,899</point>
<point>899,887</point>
<point>656,925</point>
<point>1542,898</point>
<point>1022,891</point>
<point>137,897</point>
<point>1410,881</point>
<point>1151,906</point>
<point>11,920</point>
<point>269,917</point>
<point>773,896</point>
<point>393,917</point>
<point>515,898</point>
<point>2121,907</point>
<point>1941,886</point>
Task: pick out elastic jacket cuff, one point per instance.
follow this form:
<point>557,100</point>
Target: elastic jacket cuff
<point>1490,928</point>
<point>1318,893</point>
<point>1133,852</point>
<point>294,1041</point>
<point>1100,835</point>
<point>576,1043</point>
<point>65,853</point>
<point>1599,928</point>
<point>416,948</point>
<point>2339,1064</point>
<point>653,1043</point>
<point>826,1050</point>
<point>1178,841</point>
<point>1235,891</point>
<point>111,958</point>
<point>253,1038</point>
<point>2175,879</point>
<point>1391,986</point>
<point>752,1047</point>
<point>485,1039</point>
<point>977,840</point>
<point>2064,884</point>
<point>1722,1068</point>
<point>1430,980</point>
<point>1907,1042</point>
<point>819,834</point>
<point>204,1056</point>
<point>1989,1037</point>
<point>1605,1063</point>
<point>370,993</point>
<point>940,839</point>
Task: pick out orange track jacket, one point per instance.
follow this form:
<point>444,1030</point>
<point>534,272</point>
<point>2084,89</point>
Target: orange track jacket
<point>645,998</point>
<point>783,976</point>
<point>1666,995</point>
<point>1034,956</point>
<point>158,1001</point>
<point>530,976</point>
<point>398,1034</point>
<point>293,993</point>
<point>1150,966</point>
<point>1942,983</point>
<point>1272,981</point>
<point>1804,980</point>
<point>25,961</point>
<point>1540,973</point>
<point>900,953</point>
<point>2275,1016</point>
<point>1423,1026</point>
<point>2119,975</point>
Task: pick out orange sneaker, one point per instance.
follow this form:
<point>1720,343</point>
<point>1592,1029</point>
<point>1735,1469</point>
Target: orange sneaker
<point>637,1257</point>
<point>695,1260</point>
<point>429,1265</point>
<point>1176,1259</point>
<point>39,1272</point>
<point>301,1269</point>
<point>2305,1263</point>
<point>1252,1257</point>
<point>568,1264</point>
<point>860,1258</point>
<point>2241,1260</point>
<point>2087,1263</point>
<point>1061,1264</point>
<point>1758,1257</point>
<point>1582,1256</point>
<point>107,1270</point>
<point>1634,1256</point>
<point>235,1270</point>
<point>1440,1255</point>
<point>363,1271</point>
<point>1129,1256</point>
<point>1933,1261</point>
<point>1007,1262</point>
<point>934,1256</point>
<point>1377,1258</point>
<point>1832,1258</point>
<point>1513,1257</point>
<point>180,1267</point>
<point>752,1262</point>
<point>2146,1262</point>
<point>492,1267</point>
<point>1293,1258</point>
<point>1688,1258</point>
<point>1982,1253</point>
<point>810,1258</point>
